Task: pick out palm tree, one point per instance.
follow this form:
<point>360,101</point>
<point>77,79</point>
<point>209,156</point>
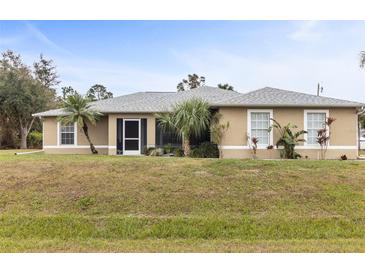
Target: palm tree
<point>189,118</point>
<point>78,111</point>
<point>362,59</point>
<point>225,86</point>
<point>193,81</point>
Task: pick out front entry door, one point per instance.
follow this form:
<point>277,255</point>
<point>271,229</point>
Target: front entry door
<point>131,136</point>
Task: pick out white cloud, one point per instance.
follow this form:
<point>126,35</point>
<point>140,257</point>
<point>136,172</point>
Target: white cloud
<point>35,32</point>
<point>9,41</point>
<point>117,77</point>
<point>307,31</point>
<point>340,74</point>
<point>324,54</point>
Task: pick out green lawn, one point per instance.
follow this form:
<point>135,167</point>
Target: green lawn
<point>103,203</point>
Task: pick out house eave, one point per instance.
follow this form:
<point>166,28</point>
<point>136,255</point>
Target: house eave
<point>287,106</point>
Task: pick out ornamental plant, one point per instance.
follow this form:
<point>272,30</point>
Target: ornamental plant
<point>324,136</point>
<point>288,139</point>
<point>253,143</point>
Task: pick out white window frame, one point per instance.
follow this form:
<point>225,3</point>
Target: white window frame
<point>132,152</point>
<point>271,136</point>
<point>59,136</point>
<point>306,111</point>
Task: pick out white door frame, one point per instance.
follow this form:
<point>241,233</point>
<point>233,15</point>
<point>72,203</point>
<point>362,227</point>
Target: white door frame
<point>132,152</point>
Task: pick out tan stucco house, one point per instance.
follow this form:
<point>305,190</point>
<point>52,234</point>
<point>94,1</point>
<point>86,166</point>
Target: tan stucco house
<point>129,126</point>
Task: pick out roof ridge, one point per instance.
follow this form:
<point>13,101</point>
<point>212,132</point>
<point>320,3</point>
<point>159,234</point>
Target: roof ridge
<point>209,87</point>
<point>149,91</point>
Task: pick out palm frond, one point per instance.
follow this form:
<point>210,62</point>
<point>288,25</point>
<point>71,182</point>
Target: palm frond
<point>188,118</point>
<point>79,111</point>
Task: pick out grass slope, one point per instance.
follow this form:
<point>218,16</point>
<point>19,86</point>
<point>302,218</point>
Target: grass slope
<point>104,203</point>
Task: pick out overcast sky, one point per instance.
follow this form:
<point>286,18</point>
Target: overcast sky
<point>128,56</point>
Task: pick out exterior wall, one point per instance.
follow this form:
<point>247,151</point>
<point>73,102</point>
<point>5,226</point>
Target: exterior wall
<point>98,135</point>
<point>112,134</point>
<point>234,142</point>
<point>103,135</point>
<point>50,131</point>
<point>344,129</point>
<point>284,116</point>
<point>236,133</point>
<point>313,154</point>
<point>83,150</point>
<point>343,133</point>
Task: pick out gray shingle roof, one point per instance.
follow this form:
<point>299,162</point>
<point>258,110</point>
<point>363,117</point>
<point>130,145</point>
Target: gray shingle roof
<point>278,97</point>
<point>150,102</point>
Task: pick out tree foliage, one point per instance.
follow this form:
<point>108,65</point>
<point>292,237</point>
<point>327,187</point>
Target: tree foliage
<point>78,110</point>
<point>22,93</point>
<point>225,86</point>
<point>362,120</point>
<point>98,92</point>
<point>189,118</point>
<point>193,81</point>
<point>68,91</point>
<point>45,72</point>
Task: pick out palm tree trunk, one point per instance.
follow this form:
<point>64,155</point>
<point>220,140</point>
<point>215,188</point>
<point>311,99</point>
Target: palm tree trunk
<point>186,145</point>
<point>86,132</point>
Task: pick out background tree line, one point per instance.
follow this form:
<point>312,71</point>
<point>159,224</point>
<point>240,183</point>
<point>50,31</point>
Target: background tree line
<point>195,81</point>
<point>25,90</point>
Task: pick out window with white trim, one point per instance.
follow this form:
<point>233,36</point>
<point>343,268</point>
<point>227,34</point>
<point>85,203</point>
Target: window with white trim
<point>260,123</point>
<point>67,134</point>
<point>315,121</point>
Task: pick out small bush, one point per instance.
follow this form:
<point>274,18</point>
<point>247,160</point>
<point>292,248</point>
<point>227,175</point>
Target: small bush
<point>343,157</point>
<point>178,152</point>
<point>35,139</point>
<point>156,152</point>
<point>205,150</point>
<point>168,148</point>
<point>148,151</point>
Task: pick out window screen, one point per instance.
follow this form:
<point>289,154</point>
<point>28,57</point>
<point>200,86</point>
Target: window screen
<point>315,121</point>
<point>67,134</point>
<point>260,123</point>
<point>164,137</point>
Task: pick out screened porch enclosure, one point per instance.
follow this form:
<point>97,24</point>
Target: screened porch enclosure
<point>168,137</point>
